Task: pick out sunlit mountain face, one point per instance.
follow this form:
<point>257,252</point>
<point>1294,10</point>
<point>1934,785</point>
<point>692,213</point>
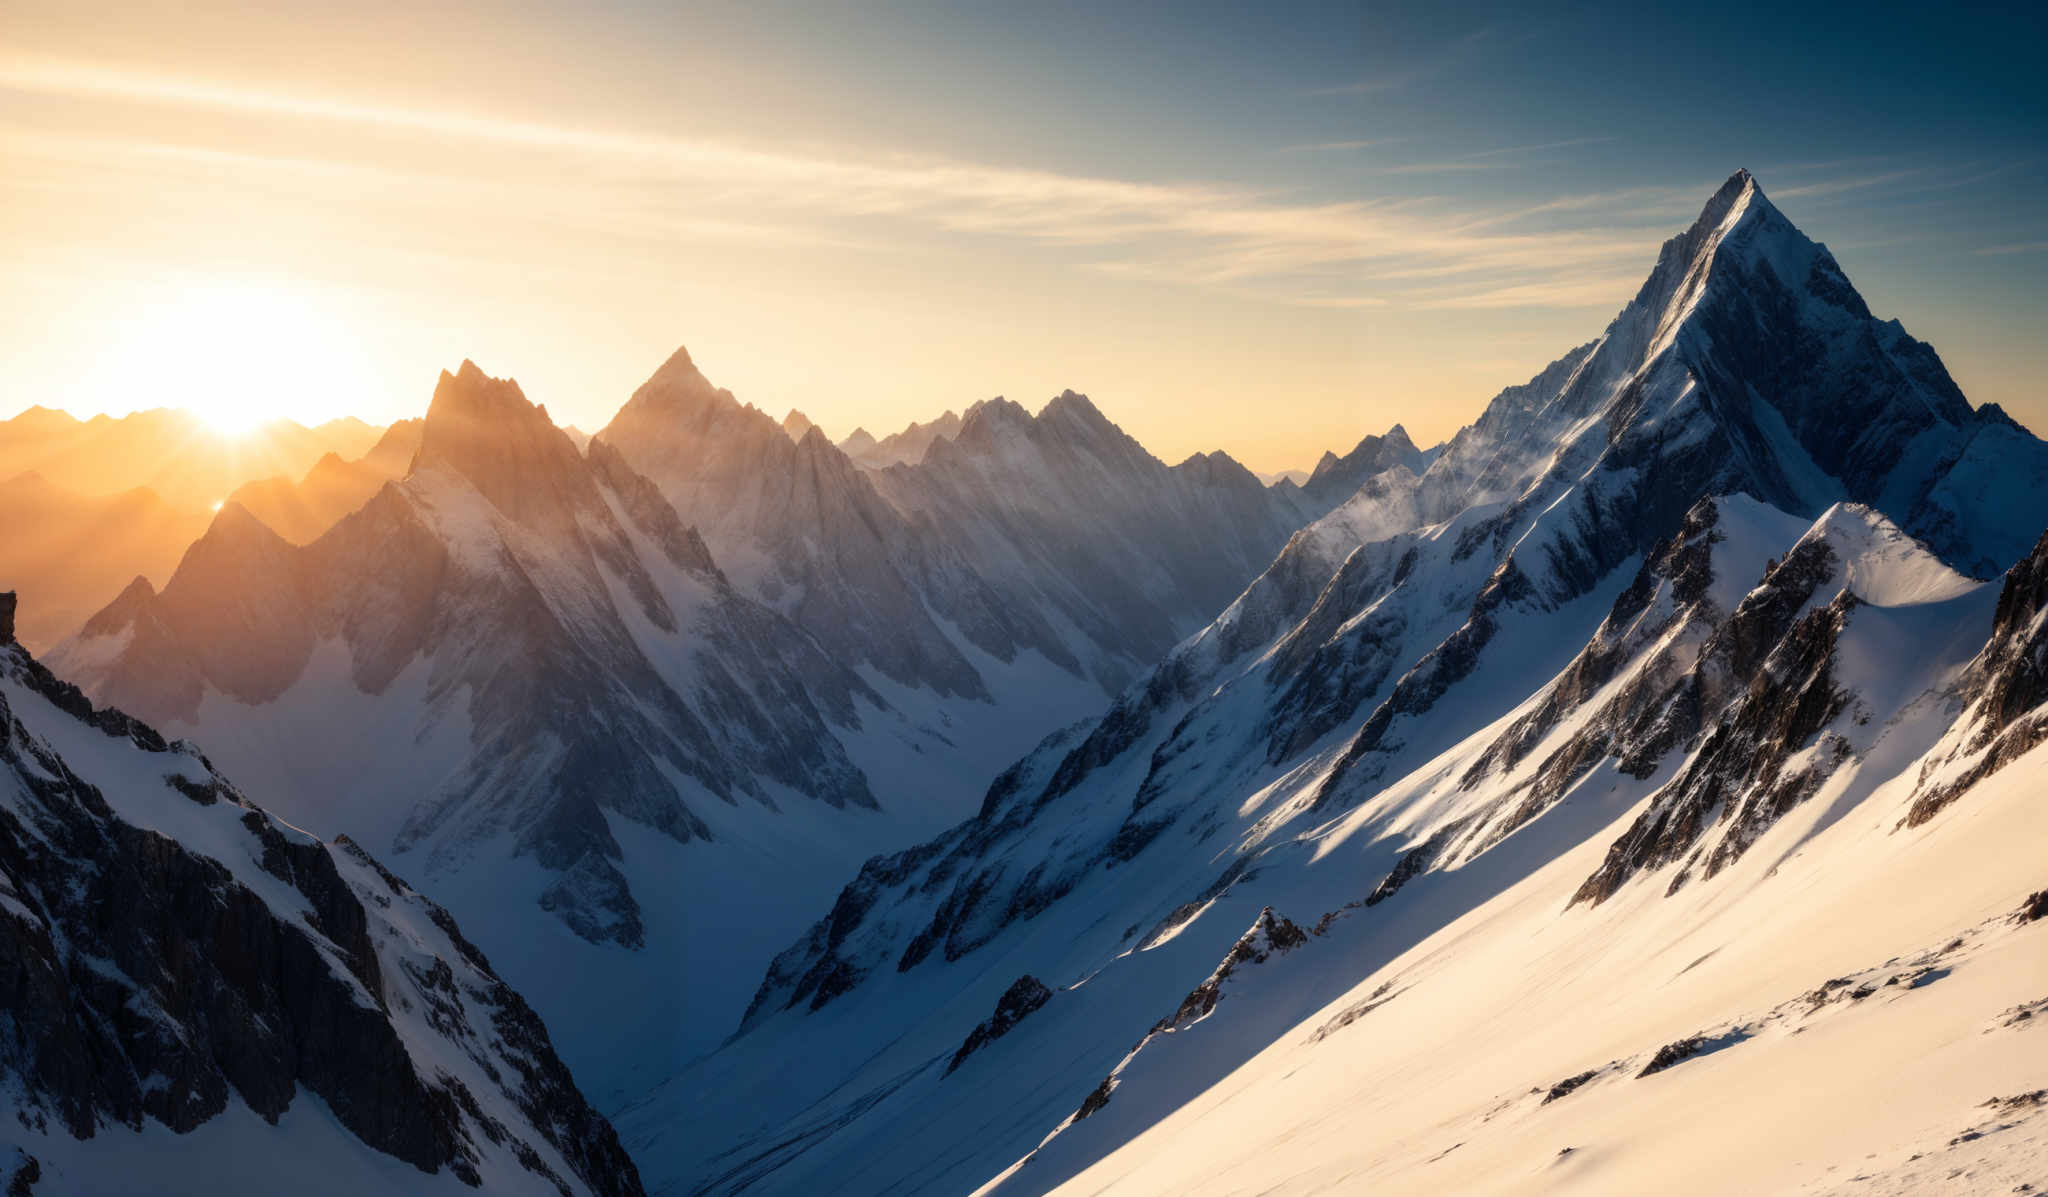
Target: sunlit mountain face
<point>1220,601</point>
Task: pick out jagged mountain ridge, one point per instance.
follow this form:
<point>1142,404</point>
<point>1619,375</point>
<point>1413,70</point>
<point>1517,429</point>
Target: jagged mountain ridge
<point>905,447</point>
<point>551,602</point>
<point>181,960</point>
<point>1092,555</point>
<point>300,511</point>
<point>1393,630</point>
<point>1335,479</point>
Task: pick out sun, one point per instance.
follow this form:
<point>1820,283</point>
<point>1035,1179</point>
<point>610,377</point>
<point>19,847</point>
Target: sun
<point>238,355</point>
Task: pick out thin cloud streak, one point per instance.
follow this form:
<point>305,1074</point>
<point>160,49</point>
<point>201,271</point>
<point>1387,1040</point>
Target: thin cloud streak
<point>1181,232</point>
<point>1328,147</point>
<point>1487,159</point>
<point>1836,186</point>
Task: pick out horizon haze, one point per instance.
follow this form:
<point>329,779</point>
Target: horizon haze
<point>1369,214</point>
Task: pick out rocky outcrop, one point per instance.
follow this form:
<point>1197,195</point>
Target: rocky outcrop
<point>1744,776</point>
<point>2005,689</point>
<point>152,979</point>
<point>1020,1000</point>
<point>1269,935</point>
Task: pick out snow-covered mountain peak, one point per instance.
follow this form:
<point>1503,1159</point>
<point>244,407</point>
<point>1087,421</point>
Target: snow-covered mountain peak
<point>1881,564</point>
<point>797,424</point>
<point>486,430</point>
<point>987,419</point>
<point>1336,479</point>
<point>858,442</point>
<point>679,373</point>
<point>1074,406</point>
<point>906,447</point>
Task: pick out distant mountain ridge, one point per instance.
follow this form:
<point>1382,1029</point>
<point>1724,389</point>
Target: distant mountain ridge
<point>69,553</point>
<point>302,511</point>
<point>171,452</point>
<point>1014,534</point>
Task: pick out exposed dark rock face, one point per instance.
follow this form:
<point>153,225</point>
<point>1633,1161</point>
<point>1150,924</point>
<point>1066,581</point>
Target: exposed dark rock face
<point>1269,935</point>
<point>1021,999</point>
<point>1568,1086</point>
<point>1097,1098</point>
<point>1704,659</point>
<point>1415,862</point>
<point>2005,688</point>
<point>7,601</point>
<point>148,980</point>
<point>1673,1053</point>
<point>1738,778</point>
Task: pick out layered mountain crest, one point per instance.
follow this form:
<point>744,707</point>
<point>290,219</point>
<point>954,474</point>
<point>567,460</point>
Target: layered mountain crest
<point>564,646</point>
<point>1336,479</point>
<point>906,447</point>
<point>300,511</point>
<point>796,424</point>
<point>179,958</point>
<point>1054,535</point>
<point>485,430</point>
<point>1695,591</point>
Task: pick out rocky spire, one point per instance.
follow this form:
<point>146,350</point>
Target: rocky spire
<point>486,430</point>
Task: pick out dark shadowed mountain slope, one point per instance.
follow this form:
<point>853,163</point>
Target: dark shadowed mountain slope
<point>200,998</point>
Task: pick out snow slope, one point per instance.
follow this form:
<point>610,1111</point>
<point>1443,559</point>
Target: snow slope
<point>1625,618</point>
<point>199,995</point>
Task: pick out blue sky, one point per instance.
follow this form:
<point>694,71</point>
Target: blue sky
<point>1264,228</point>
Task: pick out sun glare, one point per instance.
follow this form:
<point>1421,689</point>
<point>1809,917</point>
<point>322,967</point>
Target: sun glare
<point>236,355</point>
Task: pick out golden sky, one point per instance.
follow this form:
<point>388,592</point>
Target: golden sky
<point>304,211</point>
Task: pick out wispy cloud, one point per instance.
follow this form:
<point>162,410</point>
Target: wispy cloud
<point>1847,183</point>
<point>1329,147</point>
<point>1494,159</point>
<point>1417,69</point>
<point>2019,247</point>
<point>1185,232</point>
<point>1610,291</point>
